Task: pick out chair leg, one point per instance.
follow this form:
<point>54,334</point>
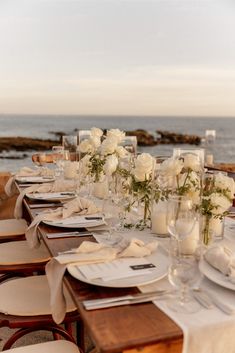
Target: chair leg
<point>24,331</point>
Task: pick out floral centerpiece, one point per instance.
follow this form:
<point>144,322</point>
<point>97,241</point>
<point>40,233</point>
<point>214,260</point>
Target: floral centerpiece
<point>100,153</point>
<point>182,176</point>
<point>140,184</point>
<point>217,198</point>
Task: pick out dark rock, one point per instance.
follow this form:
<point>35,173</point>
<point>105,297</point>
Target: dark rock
<point>144,138</point>
<point>167,137</point>
<point>25,144</point>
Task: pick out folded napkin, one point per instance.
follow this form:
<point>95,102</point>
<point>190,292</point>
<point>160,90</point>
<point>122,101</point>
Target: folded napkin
<point>56,186</point>
<point>10,188</point>
<point>223,259</point>
<point>87,253</point>
<point>78,206</point>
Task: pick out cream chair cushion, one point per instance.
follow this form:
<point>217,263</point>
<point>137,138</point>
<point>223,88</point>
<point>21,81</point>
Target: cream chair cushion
<point>29,296</point>
<point>12,227</point>
<point>19,253</point>
<point>60,346</point>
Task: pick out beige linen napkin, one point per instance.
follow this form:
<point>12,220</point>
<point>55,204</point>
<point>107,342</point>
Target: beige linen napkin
<point>57,186</point>
<point>223,259</point>
<point>79,206</point>
<point>10,188</point>
<point>88,252</point>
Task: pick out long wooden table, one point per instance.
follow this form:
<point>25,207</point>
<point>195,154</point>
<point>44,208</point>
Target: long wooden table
<point>131,328</point>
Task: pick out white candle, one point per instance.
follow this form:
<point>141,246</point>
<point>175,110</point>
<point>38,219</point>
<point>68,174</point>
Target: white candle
<point>158,218</point>
<point>190,243</point>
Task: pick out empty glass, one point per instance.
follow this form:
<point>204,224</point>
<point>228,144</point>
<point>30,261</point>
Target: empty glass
<point>58,159</point>
<point>70,143</point>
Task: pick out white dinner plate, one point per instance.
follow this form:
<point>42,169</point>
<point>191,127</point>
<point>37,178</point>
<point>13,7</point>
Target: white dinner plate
<point>159,259</point>
<point>215,275</point>
<point>51,196</point>
<point>34,179</point>
<point>76,222</point>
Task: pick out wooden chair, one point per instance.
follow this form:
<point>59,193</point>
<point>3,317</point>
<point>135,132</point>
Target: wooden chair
<point>12,229</point>
<point>61,346</point>
<point>27,304</point>
<point>17,260</point>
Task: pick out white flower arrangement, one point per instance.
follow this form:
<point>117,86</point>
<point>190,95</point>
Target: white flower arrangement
<point>182,176</point>
<point>102,156</point>
<point>217,198</point>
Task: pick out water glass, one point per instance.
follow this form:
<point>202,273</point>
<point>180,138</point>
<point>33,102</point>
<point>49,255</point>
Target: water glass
<point>70,142</point>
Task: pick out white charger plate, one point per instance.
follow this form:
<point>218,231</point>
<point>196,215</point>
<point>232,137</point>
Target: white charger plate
<point>51,196</point>
<point>159,259</point>
<point>215,275</point>
<point>76,222</point>
<point>34,179</point>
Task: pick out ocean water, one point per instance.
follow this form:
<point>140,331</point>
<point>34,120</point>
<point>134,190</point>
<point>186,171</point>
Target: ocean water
<point>44,126</point>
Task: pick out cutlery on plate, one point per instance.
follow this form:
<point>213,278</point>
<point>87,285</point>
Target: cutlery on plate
<point>68,234</point>
<point>93,218</point>
<point>123,300</point>
<point>42,205</point>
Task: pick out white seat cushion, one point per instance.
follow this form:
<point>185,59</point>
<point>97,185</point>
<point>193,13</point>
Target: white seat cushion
<point>18,253</point>
<point>60,346</point>
<point>12,227</point>
<point>29,296</point>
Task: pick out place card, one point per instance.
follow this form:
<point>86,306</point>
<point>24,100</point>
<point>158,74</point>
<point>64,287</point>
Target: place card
<point>117,269</point>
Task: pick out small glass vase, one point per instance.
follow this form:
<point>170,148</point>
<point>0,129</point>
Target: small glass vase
<point>212,229</point>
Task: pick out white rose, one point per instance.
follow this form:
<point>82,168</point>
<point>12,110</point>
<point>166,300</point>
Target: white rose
<point>86,147</point>
<point>108,146</point>
<point>171,167</point>
<point>143,167</point>
<point>224,182</point>
<point>118,134</point>
<point>121,152</point>
<point>220,203</point>
<point>110,165</point>
<point>192,161</point>
<point>96,132</point>
<point>95,141</point>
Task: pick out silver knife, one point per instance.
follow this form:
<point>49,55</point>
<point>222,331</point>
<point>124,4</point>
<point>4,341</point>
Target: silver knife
<point>123,300</point>
<point>68,234</point>
<point>45,205</point>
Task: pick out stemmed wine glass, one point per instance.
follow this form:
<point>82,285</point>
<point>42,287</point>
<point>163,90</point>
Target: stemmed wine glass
<point>183,270</point>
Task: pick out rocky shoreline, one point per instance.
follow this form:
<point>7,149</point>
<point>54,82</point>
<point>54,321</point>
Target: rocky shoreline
<point>9,145</point>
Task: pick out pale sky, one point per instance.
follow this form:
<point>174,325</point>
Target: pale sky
<point>127,57</point>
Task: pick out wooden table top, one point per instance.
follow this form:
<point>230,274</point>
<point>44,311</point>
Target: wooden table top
<point>127,328</point>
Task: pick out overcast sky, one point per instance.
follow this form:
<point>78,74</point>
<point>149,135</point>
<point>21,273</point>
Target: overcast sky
<point>136,57</point>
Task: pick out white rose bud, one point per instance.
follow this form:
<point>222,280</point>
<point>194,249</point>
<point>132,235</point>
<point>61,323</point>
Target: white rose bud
<point>118,134</point>
<point>108,146</point>
<point>224,182</point>
<point>143,167</point>
<point>192,161</point>
<point>220,203</point>
<point>96,132</point>
<point>110,165</point>
<point>121,152</point>
<point>86,147</point>
<point>171,167</point>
